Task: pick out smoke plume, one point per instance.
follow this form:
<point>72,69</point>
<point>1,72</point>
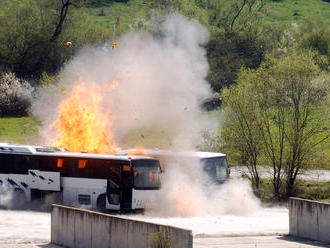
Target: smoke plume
<point>160,85</point>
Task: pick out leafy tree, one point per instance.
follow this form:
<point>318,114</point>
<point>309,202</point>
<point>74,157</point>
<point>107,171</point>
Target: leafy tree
<point>240,130</point>
<point>289,97</point>
<point>33,35</point>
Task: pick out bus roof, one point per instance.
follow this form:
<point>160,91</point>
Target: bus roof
<point>197,154</point>
<point>62,152</point>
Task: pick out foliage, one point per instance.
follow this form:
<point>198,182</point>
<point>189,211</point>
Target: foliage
<point>284,104</point>
<point>315,35</point>
<point>227,53</point>
<point>312,190</point>
<point>15,95</point>
<point>240,131</point>
<point>159,240</point>
<point>27,28</point>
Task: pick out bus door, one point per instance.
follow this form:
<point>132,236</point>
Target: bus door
<point>127,185</point>
<point>113,187</point>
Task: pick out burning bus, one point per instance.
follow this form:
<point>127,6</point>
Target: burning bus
<point>96,181</point>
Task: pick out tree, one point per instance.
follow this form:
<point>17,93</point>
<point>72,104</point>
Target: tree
<point>31,41</point>
<point>235,15</point>
<point>240,131</point>
<point>291,113</point>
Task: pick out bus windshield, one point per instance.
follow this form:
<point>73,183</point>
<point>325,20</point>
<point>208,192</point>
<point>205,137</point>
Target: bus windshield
<point>216,168</point>
<point>146,174</point>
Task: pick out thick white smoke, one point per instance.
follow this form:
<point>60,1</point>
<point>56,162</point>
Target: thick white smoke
<point>188,191</point>
<point>161,85</point>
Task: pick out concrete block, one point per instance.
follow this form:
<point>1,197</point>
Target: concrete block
<point>100,230</point>
<point>79,228</point>
<point>82,230</point>
<point>309,219</point>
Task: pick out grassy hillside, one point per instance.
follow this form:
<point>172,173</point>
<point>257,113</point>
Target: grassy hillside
<point>107,13</point>
<point>124,15</point>
<point>297,10</point>
<point>20,130</point>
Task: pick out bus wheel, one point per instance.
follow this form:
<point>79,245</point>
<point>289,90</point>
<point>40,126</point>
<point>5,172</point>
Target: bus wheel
<point>101,202</point>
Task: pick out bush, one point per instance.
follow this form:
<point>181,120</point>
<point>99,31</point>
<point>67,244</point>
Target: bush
<point>15,95</point>
<point>159,240</point>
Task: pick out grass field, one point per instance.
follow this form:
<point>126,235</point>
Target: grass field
<point>304,189</point>
<point>19,130</point>
<point>108,13</point>
<point>124,15</point>
<point>298,10</point>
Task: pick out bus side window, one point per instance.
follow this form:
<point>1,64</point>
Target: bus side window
<point>47,163</point>
<point>100,169</point>
<point>70,167</point>
<point>6,161</point>
<point>84,168</point>
<point>22,164</point>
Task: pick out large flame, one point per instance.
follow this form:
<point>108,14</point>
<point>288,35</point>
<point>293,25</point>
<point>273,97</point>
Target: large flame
<point>83,123</point>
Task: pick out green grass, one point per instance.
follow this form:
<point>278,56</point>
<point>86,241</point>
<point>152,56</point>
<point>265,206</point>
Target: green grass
<point>286,11</point>
<point>19,130</point>
<point>319,191</point>
<point>297,10</point>
<point>107,14</point>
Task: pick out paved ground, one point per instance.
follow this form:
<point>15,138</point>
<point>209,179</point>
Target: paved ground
<point>31,229</point>
<point>254,242</point>
<point>228,242</point>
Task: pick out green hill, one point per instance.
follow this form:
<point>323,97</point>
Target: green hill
<point>107,13</point>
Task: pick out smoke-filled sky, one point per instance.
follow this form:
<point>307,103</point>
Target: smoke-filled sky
<point>161,85</point>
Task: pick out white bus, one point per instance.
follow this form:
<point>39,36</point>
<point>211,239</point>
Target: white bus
<point>214,164</point>
<point>96,181</point>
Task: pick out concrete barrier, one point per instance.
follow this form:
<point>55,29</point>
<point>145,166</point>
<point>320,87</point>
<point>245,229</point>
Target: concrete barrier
<point>309,219</point>
<point>79,228</point>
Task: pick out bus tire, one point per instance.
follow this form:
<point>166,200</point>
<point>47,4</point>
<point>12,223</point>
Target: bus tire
<point>101,203</point>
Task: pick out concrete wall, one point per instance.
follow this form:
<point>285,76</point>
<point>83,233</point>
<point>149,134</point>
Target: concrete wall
<point>309,219</point>
<point>78,228</point>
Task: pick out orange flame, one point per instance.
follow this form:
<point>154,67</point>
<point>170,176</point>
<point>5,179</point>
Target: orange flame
<point>83,124</point>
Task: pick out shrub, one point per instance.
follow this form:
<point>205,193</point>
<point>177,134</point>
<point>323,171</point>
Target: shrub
<point>159,240</point>
<point>15,95</point>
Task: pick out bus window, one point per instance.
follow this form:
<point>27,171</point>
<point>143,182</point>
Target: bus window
<point>146,174</point>
<point>45,163</point>
<point>82,163</point>
<point>6,163</point>
<point>21,164</point>
<point>60,162</point>
<point>216,168</point>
